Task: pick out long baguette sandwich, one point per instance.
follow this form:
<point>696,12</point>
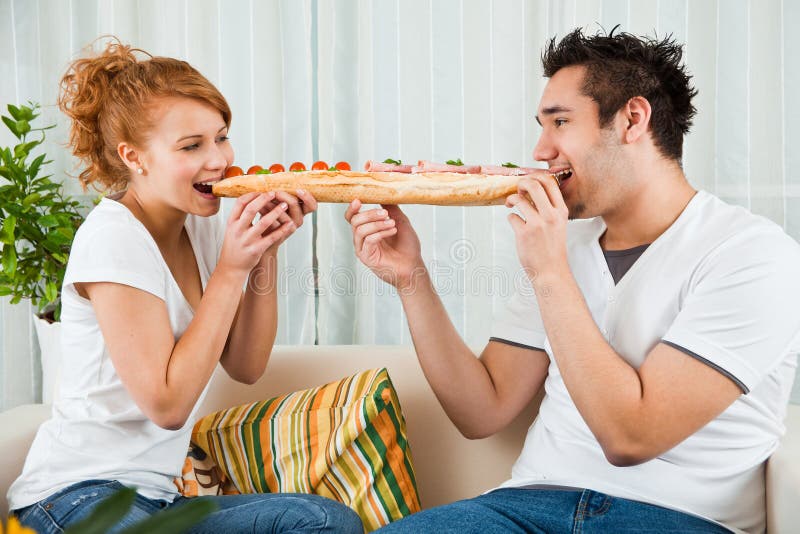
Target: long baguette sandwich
<point>426,183</point>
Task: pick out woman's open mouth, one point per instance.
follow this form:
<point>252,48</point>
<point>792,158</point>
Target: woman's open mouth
<point>205,187</point>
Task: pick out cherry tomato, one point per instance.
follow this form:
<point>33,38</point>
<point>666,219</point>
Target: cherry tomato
<point>342,166</point>
<point>233,170</point>
<point>297,166</point>
<point>254,169</point>
<point>319,166</point>
<point>276,167</point>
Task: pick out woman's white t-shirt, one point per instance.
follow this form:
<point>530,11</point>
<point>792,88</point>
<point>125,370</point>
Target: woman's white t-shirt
<point>97,431</point>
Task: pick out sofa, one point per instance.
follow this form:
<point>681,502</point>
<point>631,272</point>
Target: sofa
<point>448,466</point>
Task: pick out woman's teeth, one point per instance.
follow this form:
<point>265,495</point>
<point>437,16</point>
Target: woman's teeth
<point>205,187</point>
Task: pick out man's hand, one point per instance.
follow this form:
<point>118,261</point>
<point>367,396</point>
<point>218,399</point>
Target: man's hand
<point>385,241</point>
<point>541,227</point>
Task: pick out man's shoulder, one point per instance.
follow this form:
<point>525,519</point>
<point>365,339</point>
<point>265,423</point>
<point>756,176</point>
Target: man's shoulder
<point>725,225</point>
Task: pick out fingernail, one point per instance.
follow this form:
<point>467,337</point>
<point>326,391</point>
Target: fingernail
<point>383,213</point>
<point>284,205</point>
<point>301,191</point>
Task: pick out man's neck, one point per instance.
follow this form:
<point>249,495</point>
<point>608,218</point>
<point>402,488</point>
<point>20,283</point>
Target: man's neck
<point>649,212</point>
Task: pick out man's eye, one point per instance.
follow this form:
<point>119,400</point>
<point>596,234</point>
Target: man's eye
<point>560,122</point>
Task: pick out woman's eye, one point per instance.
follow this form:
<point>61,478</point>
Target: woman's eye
<point>191,147</point>
<point>222,138</point>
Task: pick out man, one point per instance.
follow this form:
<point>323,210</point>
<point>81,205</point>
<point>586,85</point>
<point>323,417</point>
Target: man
<point>662,322</point>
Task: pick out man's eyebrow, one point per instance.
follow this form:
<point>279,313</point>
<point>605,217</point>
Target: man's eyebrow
<point>196,135</point>
<point>553,110</point>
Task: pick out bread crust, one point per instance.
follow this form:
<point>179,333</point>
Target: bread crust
<point>438,188</point>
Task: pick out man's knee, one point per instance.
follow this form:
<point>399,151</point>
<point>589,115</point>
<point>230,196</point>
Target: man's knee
<point>320,514</point>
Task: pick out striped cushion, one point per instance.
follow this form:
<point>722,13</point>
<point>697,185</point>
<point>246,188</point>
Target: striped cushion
<point>345,440</point>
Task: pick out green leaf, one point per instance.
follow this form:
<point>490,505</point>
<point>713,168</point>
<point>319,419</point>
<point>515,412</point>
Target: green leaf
<point>50,291</point>
<point>510,165</point>
<point>174,519</point>
<point>23,127</point>
<point>15,112</point>
<point>16,299</point>
<point>57,238</point>
<point>48,221</point>
<point>457,162</point>
<point>5,290</point>
<point>7,232</point>
<point>106,514</point>
<point>33,198</point>
<point>33,170</point>
<point>263,171</point>
<point>9,260</point>
<point>393,161</point>
<point>12,125</point>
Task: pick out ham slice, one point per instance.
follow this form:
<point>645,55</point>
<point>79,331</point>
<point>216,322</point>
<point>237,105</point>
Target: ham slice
<point>507,171</point>
<point>431,166</point>
<point>376,166</point>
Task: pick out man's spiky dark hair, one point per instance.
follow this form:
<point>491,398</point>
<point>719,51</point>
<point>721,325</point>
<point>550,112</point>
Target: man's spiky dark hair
<point>622,66</point>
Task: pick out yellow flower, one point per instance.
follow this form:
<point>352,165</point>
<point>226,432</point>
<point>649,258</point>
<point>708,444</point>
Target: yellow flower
<point>13,527</point>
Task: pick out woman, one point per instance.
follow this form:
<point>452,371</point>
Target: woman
<point>152,301</point>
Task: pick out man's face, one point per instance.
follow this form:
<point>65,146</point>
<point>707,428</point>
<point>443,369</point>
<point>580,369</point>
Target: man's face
<point>571,138</point>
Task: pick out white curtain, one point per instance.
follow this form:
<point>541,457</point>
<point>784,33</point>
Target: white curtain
<point>414,79</point>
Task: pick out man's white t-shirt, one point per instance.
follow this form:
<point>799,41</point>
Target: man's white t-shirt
<point>721,285</point>
<point>97,431</point>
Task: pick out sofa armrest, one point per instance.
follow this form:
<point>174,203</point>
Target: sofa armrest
<point>783,478</point>
<point>19,428</point>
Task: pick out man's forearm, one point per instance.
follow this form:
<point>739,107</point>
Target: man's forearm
<point>606,390</point>
<point>459,379</point>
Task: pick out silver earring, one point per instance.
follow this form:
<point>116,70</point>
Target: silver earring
<point>140,170</point>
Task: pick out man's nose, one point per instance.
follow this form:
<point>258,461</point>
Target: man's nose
<point>544,149</point>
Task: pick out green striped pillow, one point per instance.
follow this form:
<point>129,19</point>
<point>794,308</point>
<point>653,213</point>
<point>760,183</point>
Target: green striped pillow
<point>345,440</point>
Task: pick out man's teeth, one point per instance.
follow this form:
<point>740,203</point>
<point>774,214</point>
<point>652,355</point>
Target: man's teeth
<point>561,175</point>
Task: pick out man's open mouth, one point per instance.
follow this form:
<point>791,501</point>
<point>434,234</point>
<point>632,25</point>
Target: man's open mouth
<point>560,176</point>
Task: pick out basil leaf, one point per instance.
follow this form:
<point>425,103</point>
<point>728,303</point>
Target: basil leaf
<point>510,165</point>
<point>456,162</point>
<point>393,161</point>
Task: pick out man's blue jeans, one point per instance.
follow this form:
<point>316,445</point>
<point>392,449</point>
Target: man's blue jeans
<point>550,512</point>
<point>266,512</point>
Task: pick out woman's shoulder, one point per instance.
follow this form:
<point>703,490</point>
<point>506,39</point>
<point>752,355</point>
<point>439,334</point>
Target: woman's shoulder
<point>111,227</point>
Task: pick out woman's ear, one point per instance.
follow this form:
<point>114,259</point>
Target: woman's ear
<point>130,157</point>
<point>636,114</point>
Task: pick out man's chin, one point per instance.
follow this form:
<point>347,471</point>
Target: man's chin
<point>578,211</point>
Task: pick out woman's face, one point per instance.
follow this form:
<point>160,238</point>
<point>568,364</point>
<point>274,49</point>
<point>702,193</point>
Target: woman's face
<point>187,146</point>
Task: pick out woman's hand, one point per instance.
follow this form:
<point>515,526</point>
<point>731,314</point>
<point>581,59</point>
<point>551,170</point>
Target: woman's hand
<point>385,241</point>
<point>299,206</point>
<point>247,239</point>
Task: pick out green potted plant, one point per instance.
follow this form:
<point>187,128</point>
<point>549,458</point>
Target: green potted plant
<point>37,224</point>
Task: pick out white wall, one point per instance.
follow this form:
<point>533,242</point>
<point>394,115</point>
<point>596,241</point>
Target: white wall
<point>359,79</point>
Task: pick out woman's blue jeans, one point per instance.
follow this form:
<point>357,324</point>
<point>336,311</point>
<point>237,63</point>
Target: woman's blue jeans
<point>262,513</point>
<point>550,511</point>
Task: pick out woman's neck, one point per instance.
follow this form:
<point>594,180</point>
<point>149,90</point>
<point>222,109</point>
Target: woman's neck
<point>164,223</point>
